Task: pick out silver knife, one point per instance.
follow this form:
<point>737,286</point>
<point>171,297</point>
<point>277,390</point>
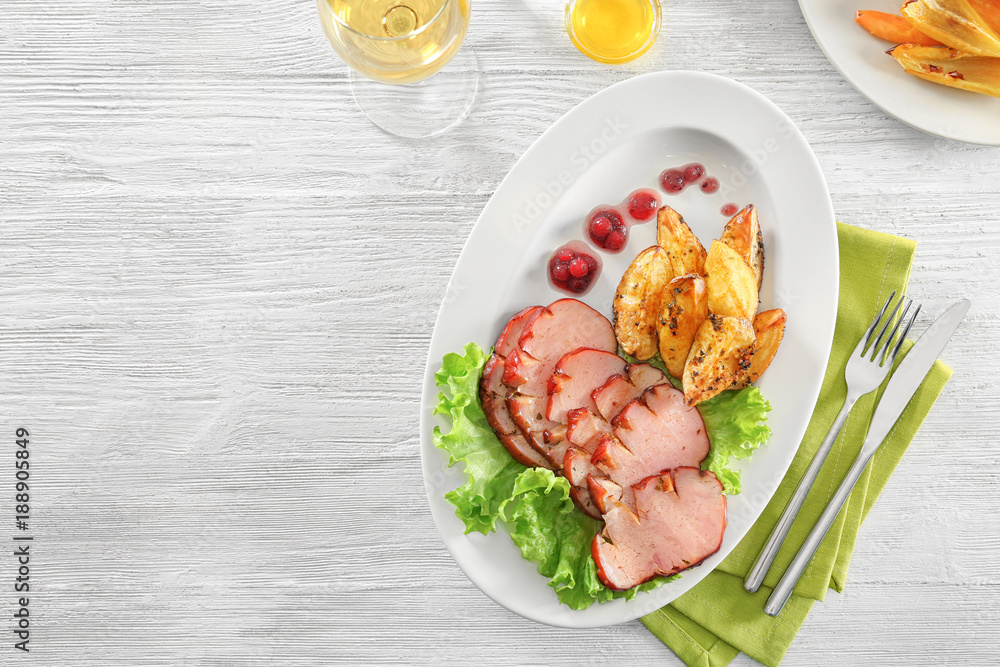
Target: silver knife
<point>902,386</point>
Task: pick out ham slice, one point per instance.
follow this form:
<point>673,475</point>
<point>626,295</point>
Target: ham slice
<point>602,491</point>
<point>528,412</point>
<point>620,390</point>
<point>559,397</point>
<point>653,433</point>
<point>581,497</point>
<point>575,378</point>
<point>493,396</point>
<point>552,332</point>
<point>585,429</point>
<point>577,468</point>
<point>679,521</point>
<point>493,393</point>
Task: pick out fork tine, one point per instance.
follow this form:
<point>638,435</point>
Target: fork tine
<point>906,330</point>
<point>875,348</point>
<point>890,343</point>
<point>866,338</point>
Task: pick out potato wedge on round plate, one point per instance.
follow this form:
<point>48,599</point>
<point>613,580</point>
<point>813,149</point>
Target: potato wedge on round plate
<point>978,74</point>
<point>971,26</point>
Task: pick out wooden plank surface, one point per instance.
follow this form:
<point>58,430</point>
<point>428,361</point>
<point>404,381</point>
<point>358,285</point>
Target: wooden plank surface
<point>220,282</point>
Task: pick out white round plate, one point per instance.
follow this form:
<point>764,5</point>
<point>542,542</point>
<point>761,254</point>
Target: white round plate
<point>861,59</point>
<point>619,140</point>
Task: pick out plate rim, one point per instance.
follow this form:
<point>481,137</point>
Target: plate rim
<point>429,392</point>
<point>819,36</point>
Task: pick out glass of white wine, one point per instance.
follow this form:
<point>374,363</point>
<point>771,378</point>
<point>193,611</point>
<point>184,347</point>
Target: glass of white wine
<point>409,73</point>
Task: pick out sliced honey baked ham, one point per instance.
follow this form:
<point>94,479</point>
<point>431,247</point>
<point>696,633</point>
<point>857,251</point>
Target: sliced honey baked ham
<point>571,329</point>
<point>493,393</point>
<point>576,377</point>
<point>562,422</point>
<point>654,432</point>
<point>528,412</point>
<point>585,429</point>
<point>550,334</point>
<point>565,326</point>
<point>620,390</point>
<point>679,521</point>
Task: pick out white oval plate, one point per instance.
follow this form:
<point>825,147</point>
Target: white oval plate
<point>619,140</point>
<point>861,59</point>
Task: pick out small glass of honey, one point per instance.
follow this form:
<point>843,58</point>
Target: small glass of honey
<point>613,31</point>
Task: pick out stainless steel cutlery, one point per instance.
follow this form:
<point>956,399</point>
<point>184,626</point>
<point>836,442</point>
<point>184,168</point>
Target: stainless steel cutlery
<point>866,369</point>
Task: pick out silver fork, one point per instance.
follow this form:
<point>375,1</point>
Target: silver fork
<point>866,369</point>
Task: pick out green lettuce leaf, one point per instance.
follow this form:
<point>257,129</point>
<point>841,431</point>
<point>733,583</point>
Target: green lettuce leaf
<point>534,504</point>
<point>736,425</point>
<point>491,470</point>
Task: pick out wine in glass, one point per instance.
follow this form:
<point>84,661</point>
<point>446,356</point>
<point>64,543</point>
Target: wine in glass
<point>409,73</point>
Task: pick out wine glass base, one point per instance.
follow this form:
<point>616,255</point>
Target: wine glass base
<point>425,108</point>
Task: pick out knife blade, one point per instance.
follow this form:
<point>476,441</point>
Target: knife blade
<point>910,373</point>
<point>903,384</point>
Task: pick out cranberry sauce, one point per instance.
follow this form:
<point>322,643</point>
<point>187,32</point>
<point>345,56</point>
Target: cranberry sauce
<point>675,179</point>
<point>607,226</point>
<point>572,268</point>
<point>643,204</point>
<point>730,209</point>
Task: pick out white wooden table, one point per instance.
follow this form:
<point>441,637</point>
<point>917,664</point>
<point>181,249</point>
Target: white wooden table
<point>219,285</point>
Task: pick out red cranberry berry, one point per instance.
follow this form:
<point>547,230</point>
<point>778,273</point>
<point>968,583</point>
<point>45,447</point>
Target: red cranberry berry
<point>729,209</point>
<point>642,204</point>
<point>693,171</point>
<point>710,185</point>
<point>600,227</point>
<point>615,240</point>
<point>672,181</point>
<point>602,224</point>
<point>578,268</point>
<point>577,274</point>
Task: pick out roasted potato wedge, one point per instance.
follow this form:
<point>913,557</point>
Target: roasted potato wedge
<point>971,26</point>
<point>892,28</point>
<point>949,67</point>
<point>683,308</point>
<point>720,357</point>
<point>742,234</point>
<point>687,254</point>
<point>769,329</point>
<point>636,308</point>
<point>731,284</point>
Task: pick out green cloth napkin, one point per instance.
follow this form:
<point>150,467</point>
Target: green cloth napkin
<point>717,619</point>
